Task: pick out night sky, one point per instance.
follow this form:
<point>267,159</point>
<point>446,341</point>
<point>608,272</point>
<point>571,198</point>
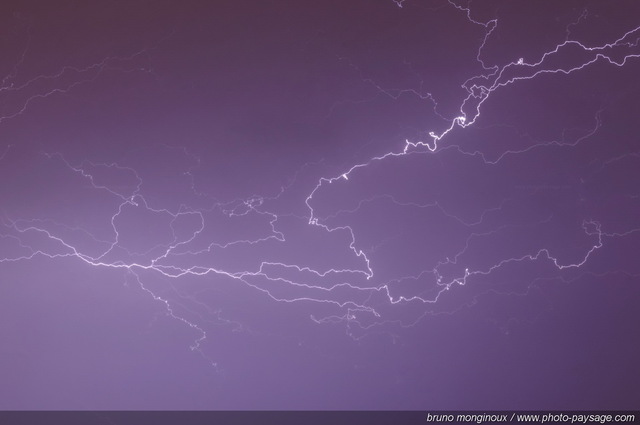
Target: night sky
<point>336,204</point>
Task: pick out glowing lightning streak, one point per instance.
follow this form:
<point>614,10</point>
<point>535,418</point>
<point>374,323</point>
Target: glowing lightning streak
<point>478,89</point>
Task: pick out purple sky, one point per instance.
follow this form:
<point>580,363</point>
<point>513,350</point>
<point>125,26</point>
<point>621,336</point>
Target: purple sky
<point>362,204</point>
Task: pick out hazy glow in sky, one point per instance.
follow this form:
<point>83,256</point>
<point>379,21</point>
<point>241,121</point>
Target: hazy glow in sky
<point>416,204</point>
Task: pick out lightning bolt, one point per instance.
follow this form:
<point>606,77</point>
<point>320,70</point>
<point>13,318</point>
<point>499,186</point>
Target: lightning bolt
<point>252,243</point>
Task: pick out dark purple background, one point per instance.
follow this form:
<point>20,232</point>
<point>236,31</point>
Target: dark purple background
<point>160,163</point>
